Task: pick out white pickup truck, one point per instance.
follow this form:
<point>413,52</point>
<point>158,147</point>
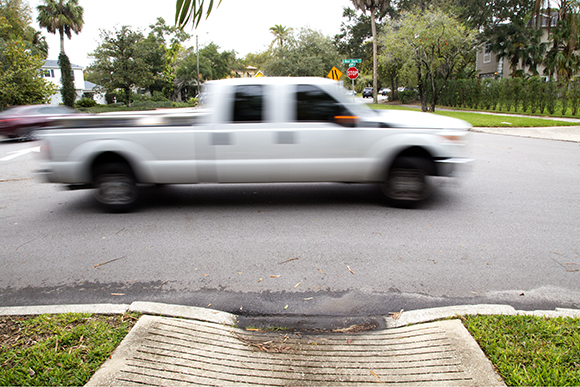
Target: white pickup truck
<point>258,130</point>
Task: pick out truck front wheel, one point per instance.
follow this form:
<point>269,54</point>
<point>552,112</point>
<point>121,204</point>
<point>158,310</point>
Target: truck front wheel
<point>406,183</point>
<point>116,187</point>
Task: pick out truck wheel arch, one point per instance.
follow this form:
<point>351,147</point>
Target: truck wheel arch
<point>109,158</point>
<point>406,177</point>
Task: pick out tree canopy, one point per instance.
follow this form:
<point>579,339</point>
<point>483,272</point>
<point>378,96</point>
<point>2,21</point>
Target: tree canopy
<point>309,53</point>
<point>61,16</point>
<point>21,81</point>
<point>435,46</point>
<point>22,54</point>
<point>120,62</point>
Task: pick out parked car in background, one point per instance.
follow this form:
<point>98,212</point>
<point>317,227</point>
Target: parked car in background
<point>367,92</point>
<point>22,121</point>
<point>385,91</point>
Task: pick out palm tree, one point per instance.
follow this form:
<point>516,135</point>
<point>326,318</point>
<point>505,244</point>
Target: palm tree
<point>373,6</point>
<point>187,11</point>
<point>62,16</point>
<point>280,33</point>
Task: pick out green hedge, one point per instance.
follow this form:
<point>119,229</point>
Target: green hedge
<point>518,95</point>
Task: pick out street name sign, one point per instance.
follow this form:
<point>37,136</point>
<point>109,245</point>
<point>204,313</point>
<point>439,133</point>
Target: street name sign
<point>351,62</point>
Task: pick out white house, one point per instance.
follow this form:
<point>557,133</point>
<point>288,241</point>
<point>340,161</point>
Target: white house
<point>51,71</point>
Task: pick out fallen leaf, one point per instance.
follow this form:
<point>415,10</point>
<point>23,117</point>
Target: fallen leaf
<point>274,276</point>
<point>260,280</point>
<point>208,305</point>
<point>349,269</point>
<point>396,315</point>
<point>375,374</point>
<point>322,272</point>
<point>112,260</point>
<point>286,307</point>
<point>288,260</point>
<point>240,272</point>
<point>205,275</point>
<point>295,286</point>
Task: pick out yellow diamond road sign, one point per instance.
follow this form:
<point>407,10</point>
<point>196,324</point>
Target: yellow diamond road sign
<point>334,74</point>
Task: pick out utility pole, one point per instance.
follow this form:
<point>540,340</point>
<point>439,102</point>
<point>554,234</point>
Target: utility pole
<point>197,51</point>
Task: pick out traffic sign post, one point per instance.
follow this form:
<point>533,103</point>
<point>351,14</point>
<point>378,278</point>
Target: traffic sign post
<point>352,72</point>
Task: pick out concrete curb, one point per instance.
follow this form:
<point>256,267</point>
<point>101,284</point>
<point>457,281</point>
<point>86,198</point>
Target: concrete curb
<point>187,312</point>
<point>57,309</point>
<point>215,316</point>
<point>431,314</point>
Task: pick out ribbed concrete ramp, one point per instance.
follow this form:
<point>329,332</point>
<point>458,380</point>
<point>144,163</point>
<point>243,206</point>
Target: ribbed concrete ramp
<point>165,351</point>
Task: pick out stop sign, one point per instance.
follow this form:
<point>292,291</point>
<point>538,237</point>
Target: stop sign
<point>352,73</point>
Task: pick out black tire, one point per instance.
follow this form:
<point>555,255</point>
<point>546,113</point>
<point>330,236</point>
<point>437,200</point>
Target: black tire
<point>407,184</point>
<point>27,134</point>
<point>116,187</point>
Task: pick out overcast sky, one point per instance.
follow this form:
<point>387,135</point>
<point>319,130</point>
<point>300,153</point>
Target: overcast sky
<point>242,26</point>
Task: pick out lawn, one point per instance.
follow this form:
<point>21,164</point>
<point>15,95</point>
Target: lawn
<point>53,350</point>
<point>67,349</point>
<point>488,120</point>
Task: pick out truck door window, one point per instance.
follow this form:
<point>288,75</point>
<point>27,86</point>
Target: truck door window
<point>315,105</point>
<point>248,104</point>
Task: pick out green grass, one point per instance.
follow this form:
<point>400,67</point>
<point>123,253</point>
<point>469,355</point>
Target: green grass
<point>528,350</point>
<point>488,120</point>
<point>67,349</point>
<point>51,350</point>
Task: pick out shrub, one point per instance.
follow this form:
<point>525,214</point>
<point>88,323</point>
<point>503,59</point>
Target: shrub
<point>85,103</point>
<point>408,96</point>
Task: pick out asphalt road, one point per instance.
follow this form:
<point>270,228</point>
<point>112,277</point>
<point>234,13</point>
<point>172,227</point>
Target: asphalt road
<point>508,232</point>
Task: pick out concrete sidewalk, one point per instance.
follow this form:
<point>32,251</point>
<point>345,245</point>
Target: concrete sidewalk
<point>181,345</point>
<point>561,133</point>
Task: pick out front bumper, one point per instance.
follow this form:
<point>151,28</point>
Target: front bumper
<point>453,166</point>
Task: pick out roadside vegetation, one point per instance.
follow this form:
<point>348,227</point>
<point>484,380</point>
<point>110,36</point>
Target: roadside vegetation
<point>487,120</point>
<point>67,349</point>
<point>528,350</point>
<point>58,350</point>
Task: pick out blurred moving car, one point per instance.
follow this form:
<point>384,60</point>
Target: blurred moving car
<point>22,121</point>
<point>367,92</point>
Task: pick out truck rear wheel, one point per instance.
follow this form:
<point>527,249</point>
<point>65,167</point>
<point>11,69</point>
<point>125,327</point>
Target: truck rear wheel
<point>116,187</point>
<point>406,184</point>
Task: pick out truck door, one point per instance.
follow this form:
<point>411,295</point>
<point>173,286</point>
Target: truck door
<point>243,141</point>
<point>319,142</point>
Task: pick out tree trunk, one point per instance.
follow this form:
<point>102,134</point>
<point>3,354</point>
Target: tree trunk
<point>374,31</point>
<point>61,33</point>
<point>128,96</point>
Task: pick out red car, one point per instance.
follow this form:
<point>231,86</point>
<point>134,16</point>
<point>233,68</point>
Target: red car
<point>22,121</point>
